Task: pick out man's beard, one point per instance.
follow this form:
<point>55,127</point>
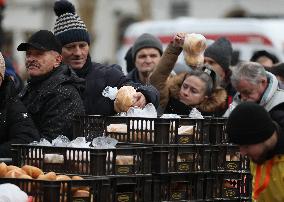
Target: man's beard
<point>263,157</point>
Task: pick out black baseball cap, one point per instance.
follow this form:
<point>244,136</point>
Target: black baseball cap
<point>42,40</point>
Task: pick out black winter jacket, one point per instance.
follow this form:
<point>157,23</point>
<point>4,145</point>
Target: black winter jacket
<point>133,76</point>
<point>53,102</point>
<point>98,77</point>
<point>16,126</point>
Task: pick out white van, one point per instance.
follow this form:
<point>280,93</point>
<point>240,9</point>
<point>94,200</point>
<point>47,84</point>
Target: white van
<point>246,34</point>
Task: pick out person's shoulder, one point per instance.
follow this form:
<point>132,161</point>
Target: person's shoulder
<point>113,69</point>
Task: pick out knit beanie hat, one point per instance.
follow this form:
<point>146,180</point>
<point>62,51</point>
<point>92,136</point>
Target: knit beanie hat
<point>146,41</point>
<point>68,26</point>
<point>2,66</point>
<point>249,123</point>
<point>221,51</point>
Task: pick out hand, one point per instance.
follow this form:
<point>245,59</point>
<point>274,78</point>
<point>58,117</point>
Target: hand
<point>178,39</point>
<point>140,100</point>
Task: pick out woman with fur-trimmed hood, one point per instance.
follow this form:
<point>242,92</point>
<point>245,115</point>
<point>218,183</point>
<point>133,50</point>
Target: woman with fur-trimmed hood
<point>198,88</point>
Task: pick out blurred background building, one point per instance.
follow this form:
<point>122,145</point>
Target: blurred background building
<point>107,19</point>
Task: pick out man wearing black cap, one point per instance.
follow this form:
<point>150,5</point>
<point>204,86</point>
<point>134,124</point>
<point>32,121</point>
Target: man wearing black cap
<point>74,37</point>
<point>262,140</point>
<point>52,95</point>
<point>146,54</point>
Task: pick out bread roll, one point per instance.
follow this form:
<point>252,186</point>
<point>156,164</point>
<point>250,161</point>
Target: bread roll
<point>9,168</point>
<point>194,47</point>
<point>117,128</point>
<point>185,130</point>
<point>32,171</point>
<point>81,193</point>
<point>62,177</point>
<point>3,169</point>
<point>124,99</point>
<point>124,160</point>
<point>193,61</point>
<point>24,176</point>
<point>16,173</point>
<point>48,176</point>
<point>194,44</point>
<point>76,177</point>
<point>74,189</point>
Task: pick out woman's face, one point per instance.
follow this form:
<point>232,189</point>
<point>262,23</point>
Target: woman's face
<point>192,91</point>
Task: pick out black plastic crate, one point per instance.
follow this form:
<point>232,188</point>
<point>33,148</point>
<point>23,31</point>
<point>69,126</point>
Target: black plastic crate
<point>159,130</point>
<point>62,191</point>
<point>178,187</point>
<point>144,130</point>
<point>130,188</point>
<point>88,126</point>
<point>228,158</point>
<point>228,186</point>
<point>181,158</point>
<point>124,160</point>
<point>217,131</point>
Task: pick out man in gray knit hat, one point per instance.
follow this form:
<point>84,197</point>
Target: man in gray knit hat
<point>146,54</point>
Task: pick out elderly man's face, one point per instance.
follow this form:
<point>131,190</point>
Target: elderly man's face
<point>39,62</point>
<point>251,92</point>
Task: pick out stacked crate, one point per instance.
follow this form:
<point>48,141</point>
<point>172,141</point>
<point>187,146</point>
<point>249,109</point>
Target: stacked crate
<point>230,179</point>
<point>197,167</point>
<point>123,181</point>
<point>165,165</point>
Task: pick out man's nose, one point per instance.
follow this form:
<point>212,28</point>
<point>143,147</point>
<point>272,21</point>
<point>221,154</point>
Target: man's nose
<point>185,93</point>
<point>148,59</point>
<point>77,50</point>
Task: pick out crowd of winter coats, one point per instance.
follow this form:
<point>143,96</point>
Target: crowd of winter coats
<point>48,103</point>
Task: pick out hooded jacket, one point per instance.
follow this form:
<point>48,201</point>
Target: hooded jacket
<point>169,88</point>
<point>54,100</point>
<point>16,125</point>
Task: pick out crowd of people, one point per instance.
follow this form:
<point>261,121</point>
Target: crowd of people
<point>65,82</point>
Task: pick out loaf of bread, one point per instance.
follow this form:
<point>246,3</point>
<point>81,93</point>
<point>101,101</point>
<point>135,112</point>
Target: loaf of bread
<point>11,167</point>
<point>76,177</point>
<point>24,176</point>
<point>81,193</point>
<point>62,177</point>
<point>32,171</point>
<point>74,189</point>
<point>185,130</point>
<point>124,99</point>
<point>124,160</point>
<point>117,128</point>
<point>3,169</point>
<point>194,47</point>
<point>50,176</point>
<point>15,173</point>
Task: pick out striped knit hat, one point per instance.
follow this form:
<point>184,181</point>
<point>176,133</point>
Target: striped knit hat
<point>68,26</point>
